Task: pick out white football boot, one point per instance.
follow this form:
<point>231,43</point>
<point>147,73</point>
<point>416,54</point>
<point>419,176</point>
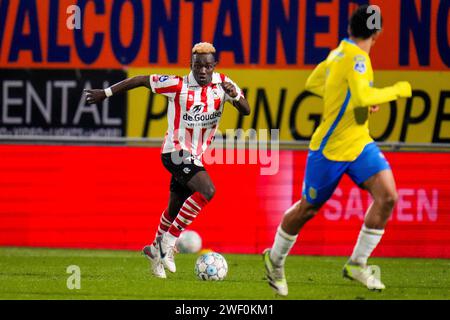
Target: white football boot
<point>369,276</point>
<point>167,252</point>
<point>157,268</point>
<point>275,275</point>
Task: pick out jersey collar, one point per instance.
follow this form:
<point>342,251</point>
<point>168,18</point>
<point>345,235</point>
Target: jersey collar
<point>353,43</point>
<point>349,41</point>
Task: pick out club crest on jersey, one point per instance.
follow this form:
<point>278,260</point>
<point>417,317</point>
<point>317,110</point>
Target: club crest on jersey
<point>216,94</point>
<point>163,78</point>
<point>360,64</point>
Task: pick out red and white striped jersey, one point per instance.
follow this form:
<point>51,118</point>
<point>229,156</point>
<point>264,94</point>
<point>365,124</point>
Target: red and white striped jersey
<point>194,111</point>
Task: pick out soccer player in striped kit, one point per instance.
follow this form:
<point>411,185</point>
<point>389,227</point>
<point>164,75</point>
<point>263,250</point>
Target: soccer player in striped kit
<point>196,103</point>
<point>342,145</point>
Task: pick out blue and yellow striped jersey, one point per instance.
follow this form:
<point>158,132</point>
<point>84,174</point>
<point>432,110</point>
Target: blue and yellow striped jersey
<point>344,80</point>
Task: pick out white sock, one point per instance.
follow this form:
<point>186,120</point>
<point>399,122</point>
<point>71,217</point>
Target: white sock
<point>170,239</point>
<point>281,246</point>
<point>368,239</point>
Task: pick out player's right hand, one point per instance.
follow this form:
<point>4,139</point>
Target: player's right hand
<point>229,89</point>
<point>403,89</point>
<point>94,96</point>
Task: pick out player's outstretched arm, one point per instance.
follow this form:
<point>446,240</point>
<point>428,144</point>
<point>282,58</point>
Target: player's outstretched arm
<point>316,81</point>
<point>98,95</point>
<point>363,94</point>
<point>241,104</point>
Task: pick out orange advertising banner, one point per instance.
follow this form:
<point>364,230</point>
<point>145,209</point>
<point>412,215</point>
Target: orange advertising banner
<point>260,34</point>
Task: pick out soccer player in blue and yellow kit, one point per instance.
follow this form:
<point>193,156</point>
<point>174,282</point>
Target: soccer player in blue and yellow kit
<point>342,145</point>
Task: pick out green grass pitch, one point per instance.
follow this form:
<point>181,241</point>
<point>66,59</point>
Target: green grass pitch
<point>41,274</point>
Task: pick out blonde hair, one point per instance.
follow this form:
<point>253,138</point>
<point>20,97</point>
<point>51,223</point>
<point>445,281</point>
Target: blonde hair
<point>203,47</point>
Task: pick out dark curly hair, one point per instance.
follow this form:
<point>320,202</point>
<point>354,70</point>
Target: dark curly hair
<point>358,23</point>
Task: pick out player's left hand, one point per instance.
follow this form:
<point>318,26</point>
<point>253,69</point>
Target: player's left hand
<point>230,89</point>
<point>374,109</point>
<point>94,96</point>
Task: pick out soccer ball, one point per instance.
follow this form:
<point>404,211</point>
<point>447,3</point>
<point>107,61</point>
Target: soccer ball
<point>211,266</point>
<point>189,242</point>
